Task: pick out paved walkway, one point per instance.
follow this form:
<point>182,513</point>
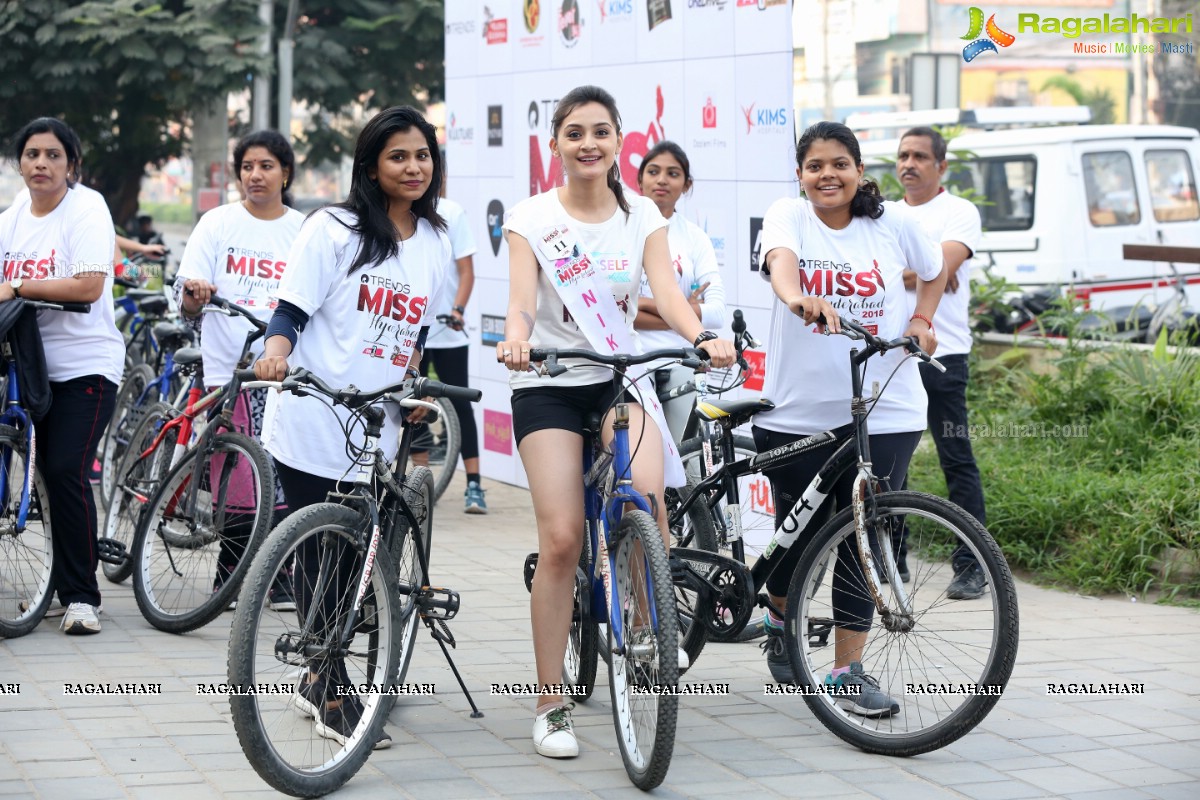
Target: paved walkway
<point>182,746</point>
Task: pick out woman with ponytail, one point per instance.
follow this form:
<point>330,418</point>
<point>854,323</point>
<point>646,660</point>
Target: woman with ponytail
<point>620,237</point>
<point>839,250</point>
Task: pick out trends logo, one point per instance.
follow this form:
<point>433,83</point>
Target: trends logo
<point>995,36</point>
<point>773,120</point>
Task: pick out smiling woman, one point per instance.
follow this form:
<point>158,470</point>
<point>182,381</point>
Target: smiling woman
<point>58,243</point>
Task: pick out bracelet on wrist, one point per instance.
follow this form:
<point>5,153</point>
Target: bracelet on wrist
<point>705,336</point>
<point>459,309</point>
<point>924,319</point>
<point>412,373</point>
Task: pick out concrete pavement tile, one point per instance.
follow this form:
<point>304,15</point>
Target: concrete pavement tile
<point>950,773</point>
<point>460,789</point>
<point>91,788</point>
<point>233,780</point>
<point>661,793</point>
<point>1059,744</point>
<point>49,750</point>
<point>1000,790</point>
<point>1175,791</point>
<point>1106,760</point>
<point>521,779</point>
<point>181,780</point>
<point>1094,725</point>
<point>1149,776</point>
<point>467,743</point>
<point>12,789</point>
<point>1176,755</point>
<point>813,784</point>
<point>1182,733</point>
<point>1020,728</point>
<point>37,771</point>
<point>12,721</point>
<point>145,759</point>
<point>985,746</point>
<point>211,743</point>
<point>192,791</point>
<point>124,727</point>
<point>1123,793</point>
<point>1129,740</point>
<point>400,772</point>
<point>1063,779</point>
<point>907,790</point>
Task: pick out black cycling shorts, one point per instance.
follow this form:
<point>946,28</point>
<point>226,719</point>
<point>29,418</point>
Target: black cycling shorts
<point>563,408</point>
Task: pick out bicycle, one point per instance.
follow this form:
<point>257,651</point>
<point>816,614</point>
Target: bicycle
<point>365,552</point>
<point>206,506</point>
<point>26,548</point>
<point>624,581</point>
<point>964,651</point>
<point>441,439</point>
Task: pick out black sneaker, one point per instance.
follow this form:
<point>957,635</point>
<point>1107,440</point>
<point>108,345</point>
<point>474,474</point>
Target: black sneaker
<point>777,660</point>
<point>968,583</point>
<point>339,723</point>
<point>863,697</point>
<point>310,696</point>
<point>280,598</point>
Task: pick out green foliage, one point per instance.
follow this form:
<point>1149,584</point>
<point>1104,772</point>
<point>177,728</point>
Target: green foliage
<point>1099,100</point>
<point>168,212</point>
<point>1090,471</point>
<point>124,74</point>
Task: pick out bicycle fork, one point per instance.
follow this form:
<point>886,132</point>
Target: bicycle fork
<point>902,619</point>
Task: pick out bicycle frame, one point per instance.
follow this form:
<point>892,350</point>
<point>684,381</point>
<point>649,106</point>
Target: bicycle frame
<point>16,416</point>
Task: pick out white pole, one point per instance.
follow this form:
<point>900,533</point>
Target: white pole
<point>285,65</point>
<point>260,114</point>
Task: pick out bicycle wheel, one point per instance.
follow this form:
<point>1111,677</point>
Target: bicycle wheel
<point>199,531</point>
<point>582,656</point>
<point>280,649</point>
<point>138,479</point>
<point>418,494</point>
<point>26,556</point>
<point>702,535</point>
<point>643,675</point>
<point>127,415</point>
<point>943,665</point>
<point>757,516</point>
<point>442,440</point>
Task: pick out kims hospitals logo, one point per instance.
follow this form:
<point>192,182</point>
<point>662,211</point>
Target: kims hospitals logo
<point>995,36</point>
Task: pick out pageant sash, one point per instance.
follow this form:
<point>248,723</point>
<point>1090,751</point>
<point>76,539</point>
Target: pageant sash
<point>588,298</point>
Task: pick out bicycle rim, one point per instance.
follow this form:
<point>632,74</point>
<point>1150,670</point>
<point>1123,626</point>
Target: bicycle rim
<point>137,481</point>
<point>26,557</point>
<point>277,729</point>
<point>644,718</point>
<point>418,494</point>
<point>689,604</point>
<point>193,547</point>
<point>442,440</point>
<point>126,419</point>
<point>946,669</point>
<point>582,656</point>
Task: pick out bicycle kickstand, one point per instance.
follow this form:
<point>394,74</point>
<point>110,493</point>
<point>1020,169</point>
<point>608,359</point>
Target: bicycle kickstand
<point>441,634</point>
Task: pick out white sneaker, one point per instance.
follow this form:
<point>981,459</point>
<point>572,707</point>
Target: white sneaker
<point>80,619</point>
<point>553,734</point>
<point>684,661</point>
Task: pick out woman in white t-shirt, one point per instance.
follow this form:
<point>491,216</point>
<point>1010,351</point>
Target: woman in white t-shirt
<point>239,252</point>
<point>619,237</point>
<point>353,309</point>
<point>58,244</point>
<point>839,251</point>
<point>664,176</point>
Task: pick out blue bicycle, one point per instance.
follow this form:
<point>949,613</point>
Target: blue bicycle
<point>26,550</point>
<point>624,582</point>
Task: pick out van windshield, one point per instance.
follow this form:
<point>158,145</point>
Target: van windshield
<point>1002,188</point>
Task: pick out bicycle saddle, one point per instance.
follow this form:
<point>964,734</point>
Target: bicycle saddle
<point>153,306</point>
<point>732,413</point>
<point>187,356</point>
<point>172,336</point>
<point>142,294</point>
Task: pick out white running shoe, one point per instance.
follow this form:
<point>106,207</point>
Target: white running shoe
<point>81,619</point>
<point>553,734</point>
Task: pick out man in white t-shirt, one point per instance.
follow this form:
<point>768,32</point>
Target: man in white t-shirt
<point>954,223</point>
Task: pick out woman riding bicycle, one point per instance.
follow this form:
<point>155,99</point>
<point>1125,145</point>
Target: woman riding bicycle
<point>589,221</point>
<point>360,275</point>
<point>664,176</point>
<point>839,250</point>
<point>59,244</point>
<point>239,252</point>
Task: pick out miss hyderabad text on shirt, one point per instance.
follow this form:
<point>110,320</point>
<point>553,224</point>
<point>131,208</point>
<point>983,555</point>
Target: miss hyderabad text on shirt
<point>384,302</point>
<point>28,266</point>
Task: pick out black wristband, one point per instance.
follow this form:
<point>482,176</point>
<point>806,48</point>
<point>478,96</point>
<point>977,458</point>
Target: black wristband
<point>705,336</point>
<point>459,309</point>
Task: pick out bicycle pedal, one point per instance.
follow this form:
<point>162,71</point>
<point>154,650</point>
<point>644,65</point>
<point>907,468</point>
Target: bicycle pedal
<point>437,603</point>
<point>819,629</point>
<point>531,561</point>
<point>111,551</point>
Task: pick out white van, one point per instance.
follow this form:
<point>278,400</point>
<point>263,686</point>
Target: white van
<point>1062,201</point>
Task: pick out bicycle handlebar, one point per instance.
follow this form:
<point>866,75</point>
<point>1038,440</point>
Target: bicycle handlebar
<point>853,330</point>
<point>57,305</point>
<point>222,306</point>
<point>687,356</point>
<point>351,397</point>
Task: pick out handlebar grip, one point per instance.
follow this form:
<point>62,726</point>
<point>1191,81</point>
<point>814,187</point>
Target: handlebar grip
<point>424,387</point>
<point>74,308</point>
<point>538,354</point>
<point>462,393</point>
<point>126,282</point>
<point>245,375</point>
<point>739,321</point>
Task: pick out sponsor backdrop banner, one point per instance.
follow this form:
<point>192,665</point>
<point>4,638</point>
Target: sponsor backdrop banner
<point>714,76</point>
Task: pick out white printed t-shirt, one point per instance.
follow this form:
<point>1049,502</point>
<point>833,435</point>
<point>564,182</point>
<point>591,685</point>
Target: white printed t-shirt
<point>615,247</point>
<point>462,244</point>
<point>949,218</point>
<point>75,238</point>
<point>361,330</point>
<point>859,270</point>
<point>245,257</point>
<point>695,264</point>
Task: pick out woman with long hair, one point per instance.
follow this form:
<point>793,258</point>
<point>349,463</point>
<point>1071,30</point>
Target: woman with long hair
<point>620,236</point>
<point>360,274</point>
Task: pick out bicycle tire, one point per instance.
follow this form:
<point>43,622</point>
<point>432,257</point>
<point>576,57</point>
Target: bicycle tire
<point>418,494</point>
<point>124,422</point>
<point>282,745</point>
<point>644,721</point>
<point>178,599</point>
<point>581,659</point>
<point>443,442</point>
<point>970,642</point>
<point>702,536</point>
<point>137,478</point>
<point>26,558</point>
<point>755,493</point>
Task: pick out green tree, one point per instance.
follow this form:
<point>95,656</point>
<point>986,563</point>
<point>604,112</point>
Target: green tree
<point>124,74</point>
<point>1099,100</point>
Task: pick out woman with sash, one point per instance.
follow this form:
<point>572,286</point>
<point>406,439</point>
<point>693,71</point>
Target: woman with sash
<point>583,239</point>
